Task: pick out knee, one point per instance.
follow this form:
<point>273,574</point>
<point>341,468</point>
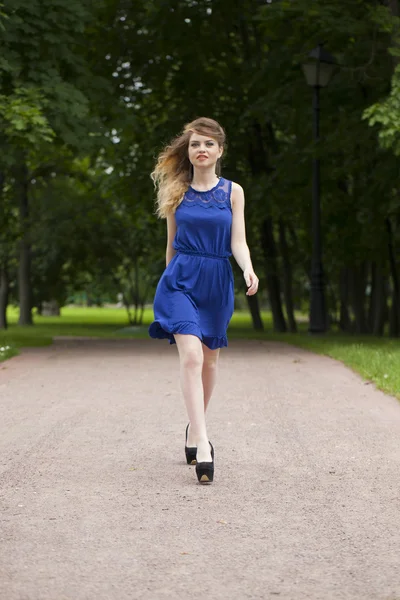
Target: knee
<point>211,363</point>
<point>192,359</point>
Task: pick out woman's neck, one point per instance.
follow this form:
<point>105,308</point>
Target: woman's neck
<point>204,179</point>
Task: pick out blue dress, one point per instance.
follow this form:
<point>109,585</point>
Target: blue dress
<point>195,294</point>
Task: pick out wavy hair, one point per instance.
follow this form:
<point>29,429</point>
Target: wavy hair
<point>173,171</point>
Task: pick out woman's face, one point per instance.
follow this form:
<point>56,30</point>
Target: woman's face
<point>203,151</point>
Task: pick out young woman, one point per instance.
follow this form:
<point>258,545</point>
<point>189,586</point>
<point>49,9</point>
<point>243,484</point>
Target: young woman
<point>194,298</point>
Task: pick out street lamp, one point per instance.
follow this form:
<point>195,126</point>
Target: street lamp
<point>318,71</point>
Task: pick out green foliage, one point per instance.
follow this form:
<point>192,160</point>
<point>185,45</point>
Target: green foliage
<point>386,114</point>
<point>43,66</point>
<point>22,119</point>
<point>89,93</point>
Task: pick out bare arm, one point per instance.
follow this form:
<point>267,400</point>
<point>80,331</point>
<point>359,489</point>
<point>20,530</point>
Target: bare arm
<point>240,249</point>
<point>171,231</point>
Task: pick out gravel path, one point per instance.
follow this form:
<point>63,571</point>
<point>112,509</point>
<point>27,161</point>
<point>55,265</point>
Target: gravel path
<point>97,502</point>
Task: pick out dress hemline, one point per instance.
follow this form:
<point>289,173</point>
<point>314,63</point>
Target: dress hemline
<point>158,330</point>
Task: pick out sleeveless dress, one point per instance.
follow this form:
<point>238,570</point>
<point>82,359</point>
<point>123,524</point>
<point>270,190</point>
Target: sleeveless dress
<point>195,294</point>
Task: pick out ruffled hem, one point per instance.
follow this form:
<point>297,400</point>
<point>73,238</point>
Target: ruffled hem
<point>160,331</point>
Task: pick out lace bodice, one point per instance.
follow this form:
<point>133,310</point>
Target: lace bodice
<point>205,231</point>
<point>218,196</point>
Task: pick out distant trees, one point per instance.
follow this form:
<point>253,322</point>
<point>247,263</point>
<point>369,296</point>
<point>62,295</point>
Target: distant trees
<point>90,93</point>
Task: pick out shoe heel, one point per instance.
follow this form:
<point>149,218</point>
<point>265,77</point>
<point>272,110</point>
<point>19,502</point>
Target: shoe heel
<point>205,470</point>
<point>190,455</point>
<point>190,452</point>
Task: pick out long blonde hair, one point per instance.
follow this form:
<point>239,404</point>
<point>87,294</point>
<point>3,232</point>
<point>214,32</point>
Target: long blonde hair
<point>173,171</point>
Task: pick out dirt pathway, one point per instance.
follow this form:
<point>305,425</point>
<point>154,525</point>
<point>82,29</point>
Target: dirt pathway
<point>97,502</point>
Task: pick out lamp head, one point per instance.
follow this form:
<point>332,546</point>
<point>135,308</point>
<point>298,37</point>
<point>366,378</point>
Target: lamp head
<point>319,68</point>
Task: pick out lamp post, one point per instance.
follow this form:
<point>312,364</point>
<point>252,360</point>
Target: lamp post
<point>318,71</point>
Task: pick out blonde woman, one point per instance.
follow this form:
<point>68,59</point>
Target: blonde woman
<point>194,299</point>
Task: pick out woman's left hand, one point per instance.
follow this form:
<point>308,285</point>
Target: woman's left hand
<point>251,280</point>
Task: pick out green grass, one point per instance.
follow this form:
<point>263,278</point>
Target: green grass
<point>376,359</point>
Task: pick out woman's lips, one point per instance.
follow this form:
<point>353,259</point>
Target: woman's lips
<point>201,157</point>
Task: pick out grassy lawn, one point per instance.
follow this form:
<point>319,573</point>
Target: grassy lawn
<point>376,359</point>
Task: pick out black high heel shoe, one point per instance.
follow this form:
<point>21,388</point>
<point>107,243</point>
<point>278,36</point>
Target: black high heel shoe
<point>190,452</point>
<point>205,470</point>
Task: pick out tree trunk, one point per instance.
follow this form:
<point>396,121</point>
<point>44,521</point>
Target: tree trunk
<point>357,281</point>
<point>24,271</point>
<point>254,308</point>
<point>89,298</point>
<point>4,290</point>
<point>128,308</point>
<point>143,302</point>
<point>287,277</point>
<point>300,259</point>
<point>378,302</point>
<point>271,266</point>
<point>372,294</point>
<point>137,295</point>
<point>344,318</point>
<point>259,164</point>
<point>394,325</point>
<point>4,280</point>
<point>394,317</point>
<point>394,7</point>
<point>333,303</point>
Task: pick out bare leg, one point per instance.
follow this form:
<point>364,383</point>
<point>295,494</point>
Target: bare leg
<point>209,374</point>
<point>191,365</point>
<point>209,379</point>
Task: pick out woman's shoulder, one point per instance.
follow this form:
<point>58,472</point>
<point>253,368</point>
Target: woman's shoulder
<point>237,193</point>
<point>235,187</point>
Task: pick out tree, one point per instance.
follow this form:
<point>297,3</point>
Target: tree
<point>46,93</point>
